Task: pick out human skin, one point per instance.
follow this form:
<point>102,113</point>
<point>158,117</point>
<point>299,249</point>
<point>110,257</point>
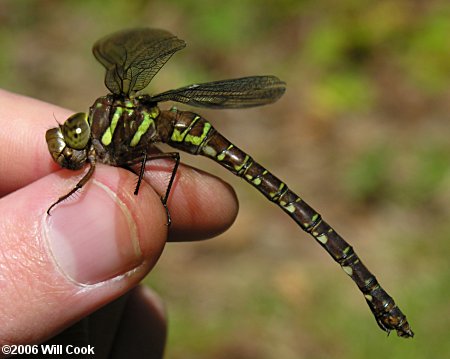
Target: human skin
<point>95,246</point>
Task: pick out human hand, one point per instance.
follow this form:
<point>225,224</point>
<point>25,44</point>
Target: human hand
<point>95,246</point>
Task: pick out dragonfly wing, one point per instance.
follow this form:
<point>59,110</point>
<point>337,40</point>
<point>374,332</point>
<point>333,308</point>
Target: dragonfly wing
<point>235,93</point>
<point>133,57</point>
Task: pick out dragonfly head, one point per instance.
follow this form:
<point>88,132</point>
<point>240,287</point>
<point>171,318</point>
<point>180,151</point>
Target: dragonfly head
<point>69,143</point>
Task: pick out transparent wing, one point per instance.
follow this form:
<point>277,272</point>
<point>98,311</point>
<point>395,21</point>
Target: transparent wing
<point>235,93</point>
<point>133,57</point>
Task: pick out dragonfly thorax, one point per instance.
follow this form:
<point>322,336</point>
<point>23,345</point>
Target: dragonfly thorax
<point>122,129</point>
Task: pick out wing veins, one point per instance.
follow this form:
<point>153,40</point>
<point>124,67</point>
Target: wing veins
<point>234,93</point>
<point>133,57</point>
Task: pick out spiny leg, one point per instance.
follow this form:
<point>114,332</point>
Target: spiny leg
<point>77,187</point>
<point>172,155</point>
<point>141,174</point>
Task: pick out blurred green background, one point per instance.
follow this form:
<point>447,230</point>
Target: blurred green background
<point>362,134</point>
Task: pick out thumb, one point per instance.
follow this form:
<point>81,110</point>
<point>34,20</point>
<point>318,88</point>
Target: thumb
<point>57,269</point>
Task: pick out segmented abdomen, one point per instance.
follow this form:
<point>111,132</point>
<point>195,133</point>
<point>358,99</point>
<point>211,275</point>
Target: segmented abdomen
<point>194,134</point>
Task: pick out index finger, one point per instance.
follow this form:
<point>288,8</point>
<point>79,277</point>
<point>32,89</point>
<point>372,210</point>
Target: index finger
<point>24,157</point>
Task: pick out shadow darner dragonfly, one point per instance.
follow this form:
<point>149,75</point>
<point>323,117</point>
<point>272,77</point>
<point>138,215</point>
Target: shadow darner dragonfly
<point>122,128</point>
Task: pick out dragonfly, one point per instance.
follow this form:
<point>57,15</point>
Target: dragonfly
<point>124,127</point>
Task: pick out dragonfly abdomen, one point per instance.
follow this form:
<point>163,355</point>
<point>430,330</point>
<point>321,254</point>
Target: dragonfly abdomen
<point>194,134</point>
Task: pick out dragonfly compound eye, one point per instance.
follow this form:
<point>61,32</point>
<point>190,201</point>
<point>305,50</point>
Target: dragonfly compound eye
<point>76,131</point>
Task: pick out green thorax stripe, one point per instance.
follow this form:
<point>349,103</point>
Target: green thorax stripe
<point>109,132</point>
<point>144,126</point>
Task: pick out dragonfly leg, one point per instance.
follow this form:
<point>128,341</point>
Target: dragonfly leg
<point>78,186</point>
<point>172,155</point>
<point>141,174</point>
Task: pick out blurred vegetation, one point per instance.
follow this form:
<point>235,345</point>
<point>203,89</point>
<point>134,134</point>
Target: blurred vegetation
<point>362,133</point>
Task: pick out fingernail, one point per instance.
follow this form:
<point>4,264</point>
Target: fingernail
<point>93,238</point>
